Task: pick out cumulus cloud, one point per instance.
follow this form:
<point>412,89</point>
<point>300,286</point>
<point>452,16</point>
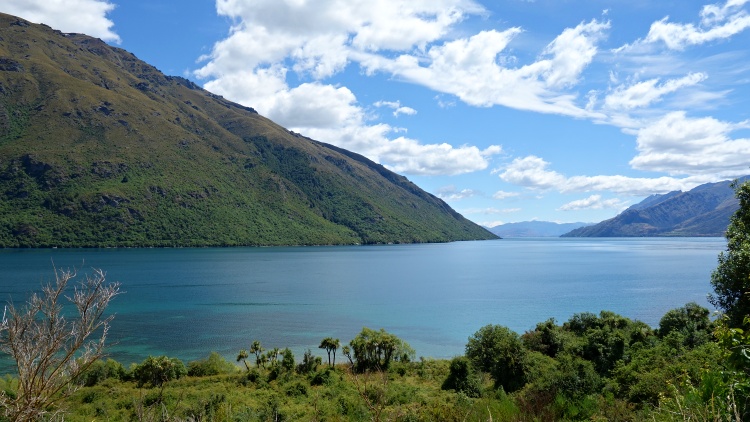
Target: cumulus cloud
<point>533,172</point>
<point>270,38</point>
<point>717,22</point>
<point>472,69</point>
<point>593,202</point>
<point>83,16</point>
<point>677,144</point>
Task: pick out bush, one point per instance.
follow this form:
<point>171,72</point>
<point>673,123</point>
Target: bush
<point>214,364</point>
<point>499,351</point>
<point>462,378</point>
<point>158,370</point>
<point>101,370</point>
<point>309,363</point>
<point>374,350</point>
<point>691,321</point>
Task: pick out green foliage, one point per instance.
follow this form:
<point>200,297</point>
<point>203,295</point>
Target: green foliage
<point>498,351</point>
<point>375,350</point>
<point>691,321</point>
<point>287,360</point>
<point>102,370</point>
<point>309,363</point>
<point>462,378</point>
<point>731,278</point>
<point>156,371</point>
<point>214,364</point>
<point>547,338</point>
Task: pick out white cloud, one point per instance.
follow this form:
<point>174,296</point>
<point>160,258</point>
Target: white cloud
<point>677,144</point>
<point>269,38</point>
<point>533,172</point>
<point>593,202</point>
<point>398,109</point>
<point>717,22</point>
<point>504,195</point>
<point>489,211</point>
<point>472,69</point>
<point>83,16</point>
<point>642,94</point>
<point>450,193</point>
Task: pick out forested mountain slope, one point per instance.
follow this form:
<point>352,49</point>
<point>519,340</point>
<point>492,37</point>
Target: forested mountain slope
<point>98,148</point>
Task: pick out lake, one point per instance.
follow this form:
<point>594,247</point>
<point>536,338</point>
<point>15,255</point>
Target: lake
<point>188,302</point>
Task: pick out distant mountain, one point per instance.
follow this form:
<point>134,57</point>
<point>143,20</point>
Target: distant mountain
<point>702,211</point>
<point>98,148</point>
<point>535,229</point>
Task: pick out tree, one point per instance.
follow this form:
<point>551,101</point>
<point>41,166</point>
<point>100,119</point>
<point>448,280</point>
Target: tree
<point>731,278</point>
<point>309,363</point>
<point>374,350</point>
<point>499,351</point>
<point>691,321</point>
<point>53,347</point>
<point>287,360</point>
<point>242,356</point>
<point>462,378</point>
<point>158,370</point>
<point>256,349</point>
<point>330,344</point>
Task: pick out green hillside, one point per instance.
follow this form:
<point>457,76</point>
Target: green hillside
<point>98,148</point>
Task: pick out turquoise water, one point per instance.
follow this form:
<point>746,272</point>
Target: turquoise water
<point>188,302</point>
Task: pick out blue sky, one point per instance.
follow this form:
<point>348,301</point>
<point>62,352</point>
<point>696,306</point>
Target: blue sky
<point>514,110</point>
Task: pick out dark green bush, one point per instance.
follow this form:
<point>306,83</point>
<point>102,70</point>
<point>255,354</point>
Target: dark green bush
<point>158,370</point>
<point>462,378</point>
<point>101,370</point>
<point>499,351</point>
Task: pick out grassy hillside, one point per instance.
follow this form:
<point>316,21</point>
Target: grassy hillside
<point>98,148</point>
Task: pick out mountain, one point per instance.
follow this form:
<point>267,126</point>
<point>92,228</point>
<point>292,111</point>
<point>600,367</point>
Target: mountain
<point>703,211</point>
<point>534,229</point>
<point>98,148</point>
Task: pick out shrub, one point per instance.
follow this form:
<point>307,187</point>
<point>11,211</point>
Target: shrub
<point>374,350</point>
<point>101,370</point>
<point>499,351</point>
<point>462,378</point>
<point>158,370</point>
<point>309,363</point>
<point>214,364</point>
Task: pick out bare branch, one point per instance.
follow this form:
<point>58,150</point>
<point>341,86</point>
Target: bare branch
<point>50,350</point>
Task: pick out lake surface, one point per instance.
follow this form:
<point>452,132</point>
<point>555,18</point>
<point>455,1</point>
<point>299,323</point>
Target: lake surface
<point>188,302</point>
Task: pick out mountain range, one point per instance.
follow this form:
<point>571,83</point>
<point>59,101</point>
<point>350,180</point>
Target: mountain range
<point>702,211</point>
<point>99,149</point>
<point>535,229</point>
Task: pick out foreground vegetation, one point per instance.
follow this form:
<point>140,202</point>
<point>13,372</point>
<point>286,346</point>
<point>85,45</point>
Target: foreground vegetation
<point>591,367</point>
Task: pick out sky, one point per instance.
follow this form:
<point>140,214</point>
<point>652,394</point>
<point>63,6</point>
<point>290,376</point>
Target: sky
<point>509,110</point>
